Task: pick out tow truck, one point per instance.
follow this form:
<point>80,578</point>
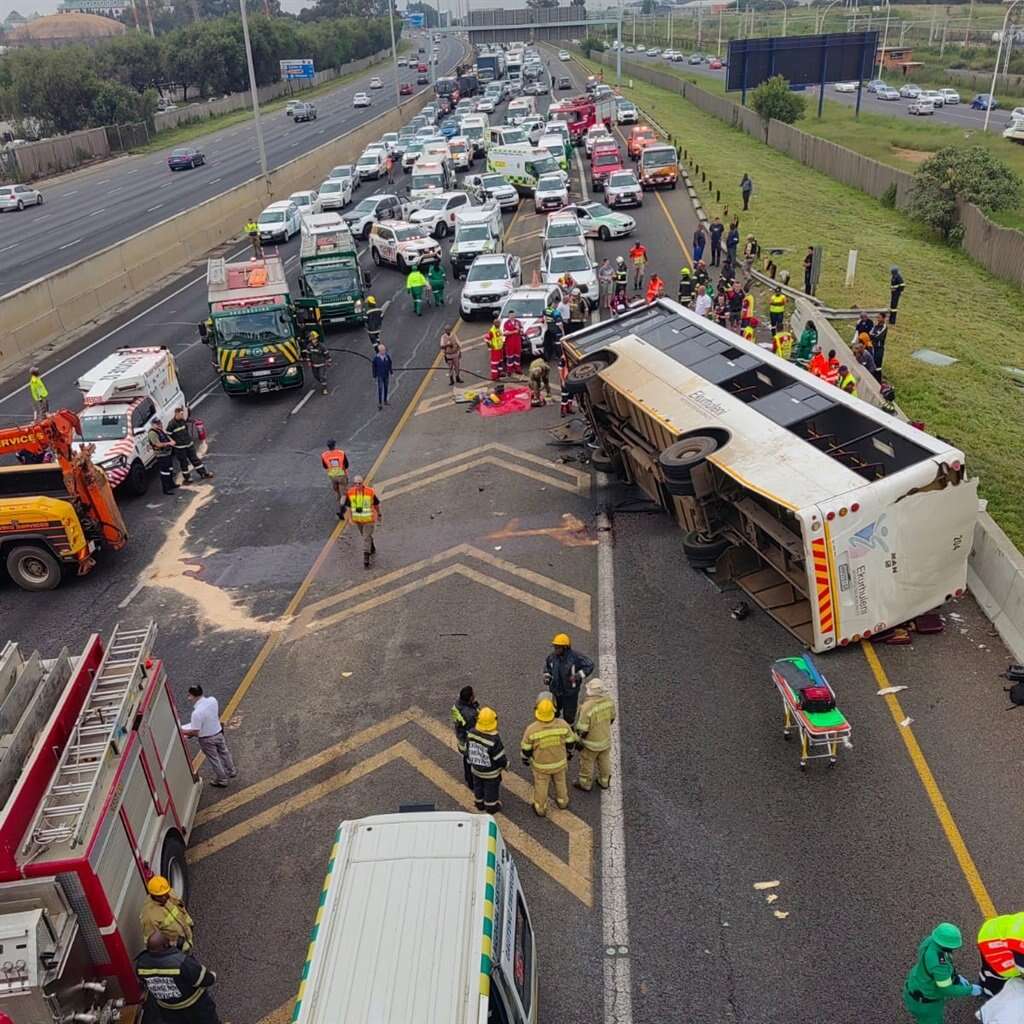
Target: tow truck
<point>581,113</point>
<point>329,276</point>
<point>53,515</point>
<point>253,334</point>
<point>98,795</point>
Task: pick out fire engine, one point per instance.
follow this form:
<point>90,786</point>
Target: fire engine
<point>98,795</point>
<point>580,113</point>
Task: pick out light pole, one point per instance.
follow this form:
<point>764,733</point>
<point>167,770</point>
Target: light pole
<point>995,67</point>
<point>885,37</point>
<point>394,54</point>
<point>821,17</point>
<point>785,15</point>
<point>255,97</point>
<point>618,47</point>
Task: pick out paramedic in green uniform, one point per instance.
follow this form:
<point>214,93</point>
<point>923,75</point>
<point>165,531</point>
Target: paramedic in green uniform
<point>933,978</point>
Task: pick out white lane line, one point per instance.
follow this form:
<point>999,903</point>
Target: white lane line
<point>103,182</point>
<point>13,245</point>
<point>618,984</point>
<point>64,195</point>
<point>204,394</point>
<point>153,208</point>
<point>213,181</point>
<point>67,245</point>
<point>308,395</point>
<point>113,190</point>
<point>96,213</point>
<point>132,594</point>
<point>117,330</point>
<point>166,184</point>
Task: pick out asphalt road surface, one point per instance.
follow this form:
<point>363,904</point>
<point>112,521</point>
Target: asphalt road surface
<point>336,685</point>
<point>87,211</point>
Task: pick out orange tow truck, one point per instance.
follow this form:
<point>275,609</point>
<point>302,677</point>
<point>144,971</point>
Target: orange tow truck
<point>641,136</point>
<point>53,515</point>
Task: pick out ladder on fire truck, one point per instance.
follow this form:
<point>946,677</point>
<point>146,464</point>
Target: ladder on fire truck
<point>101,727</point>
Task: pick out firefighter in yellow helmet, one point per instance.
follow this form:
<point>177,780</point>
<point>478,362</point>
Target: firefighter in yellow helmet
<point>165,912</point>
<point>487,760</point>
<point>547,747</point>
<point>564,672</point>
<point>593,727</point>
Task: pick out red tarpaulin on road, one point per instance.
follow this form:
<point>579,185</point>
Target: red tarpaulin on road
<point>513,400</point>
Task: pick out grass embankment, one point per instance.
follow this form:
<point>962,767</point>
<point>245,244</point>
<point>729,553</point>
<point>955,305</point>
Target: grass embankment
<point>951,304</point>
<point>185,133</point>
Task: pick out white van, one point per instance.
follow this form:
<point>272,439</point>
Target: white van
<point>473,128</point>
<point>521,107</point>
<point>422,918</point>
<point>478,229</point>
<point>429,178</point>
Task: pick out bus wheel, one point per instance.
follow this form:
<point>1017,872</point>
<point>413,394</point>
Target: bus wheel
<point>699,547</point>
<point>677,461</point>
<point>583,373</point>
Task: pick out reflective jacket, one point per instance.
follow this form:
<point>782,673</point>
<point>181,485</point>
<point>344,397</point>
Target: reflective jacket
<point>777,303</point>
<point>335,462</point>
<point>546,745</point>
<point>594,722</point>
<point>37,389</point>
<point>464,719</point>
<point>173,978</point>
<point>362,503</point>
<point>1001,944</point>
<point>486,754</point>
<point>495,340</point>
<point>180,432</point>
<point>171,918</point>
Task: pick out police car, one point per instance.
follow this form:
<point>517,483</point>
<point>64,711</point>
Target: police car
<point>402,245</point>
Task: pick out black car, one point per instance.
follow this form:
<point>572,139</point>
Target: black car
<point>422,80</point>
<point>185,158</point>
<point>564,82</point>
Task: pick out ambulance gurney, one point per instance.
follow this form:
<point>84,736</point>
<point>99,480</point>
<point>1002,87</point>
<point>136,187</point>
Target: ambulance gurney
<point>1007,1007</point>
<point>809,706</point>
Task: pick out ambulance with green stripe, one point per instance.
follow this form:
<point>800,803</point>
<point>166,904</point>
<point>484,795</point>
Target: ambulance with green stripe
<point>421,918</point>
<point>521,165</point>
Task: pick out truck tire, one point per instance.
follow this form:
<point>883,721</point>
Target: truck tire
<point>174,866</point>
<point>677,461</point>
<point>601,462</point>
<point>33,567</point>
<point>137,481</point>
<point>583,373</point>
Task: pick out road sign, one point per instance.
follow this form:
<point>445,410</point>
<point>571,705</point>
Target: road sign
<point>416,19</point>
<point>293,69</point>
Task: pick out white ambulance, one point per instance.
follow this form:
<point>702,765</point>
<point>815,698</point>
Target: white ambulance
<point>123,394</point>
<point>421,918</point>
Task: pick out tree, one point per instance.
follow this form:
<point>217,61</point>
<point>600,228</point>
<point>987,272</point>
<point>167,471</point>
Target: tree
<point>591,44</point>
<point>773,99</point>
<point>970,173</point>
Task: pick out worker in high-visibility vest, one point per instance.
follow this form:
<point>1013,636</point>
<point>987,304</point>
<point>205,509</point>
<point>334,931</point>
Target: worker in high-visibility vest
<point>546,747</point>
<point>164,911</point>
<point>776,309</point>
<point>747,310</point>
<point>39,395</point>
<point>362,507</point>
<point>593,726</point>
<point>496,347</point>
<point>638,257</point>
<point>335,463</point>
<point>252,229</point>
<point>1001,945</point>
<point>782,344</point>
<point>846,380</point>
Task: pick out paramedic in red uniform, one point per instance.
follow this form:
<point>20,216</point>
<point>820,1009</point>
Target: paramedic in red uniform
<point>513,332</point>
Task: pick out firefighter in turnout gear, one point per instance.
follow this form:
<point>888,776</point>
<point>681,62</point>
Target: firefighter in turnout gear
<point>176,982</point>
<point>564,672</point>
<point>593,726</point>
<point>685,285</point>
<point>160,441</point>
<point>933,978</point>
<point>487,760</point>
<point>374,321</point>
<point>165,912</point>
<point>547,747</point>
<point>464,714</point>
<point>180,429</point>
<point>317,356</point>
<point>621,276</point>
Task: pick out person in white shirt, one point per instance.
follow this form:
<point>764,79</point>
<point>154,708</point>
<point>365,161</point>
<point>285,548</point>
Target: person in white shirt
<point>206,728</point>
<point>702,304</point>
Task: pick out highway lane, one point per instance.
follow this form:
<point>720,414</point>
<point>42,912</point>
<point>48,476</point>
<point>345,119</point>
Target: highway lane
<point>85,212</point>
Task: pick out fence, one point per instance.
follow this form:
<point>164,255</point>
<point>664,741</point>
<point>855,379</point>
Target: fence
<point>51,156</point>
<point>1000,250</point>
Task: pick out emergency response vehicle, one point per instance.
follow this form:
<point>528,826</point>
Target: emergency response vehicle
<point>438,213</point>
<point>329,276</point>
<point>461,152</point>
<point>98,795</point>
<point>402,245</point>
<point>581,113</point>
<point>835,517</point>
<point>429,178</point>
<point>253,333</point>
<point>658,166</point>
<point>478,230</point>
<point>422,917</point>
<point>123,395</point>
<point>521,165</point>
<point>604,162</point>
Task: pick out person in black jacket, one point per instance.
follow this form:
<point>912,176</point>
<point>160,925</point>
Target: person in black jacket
<point>896,286</point>
<point>487,758</point>
<point>564,672</point>
<point>715,231</point>
<point>464,713</point>
<point>374,321</point>
<point>177,982</point>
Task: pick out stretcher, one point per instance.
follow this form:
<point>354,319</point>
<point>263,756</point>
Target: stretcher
<point>821,732</point>
<point>1007,1007</point>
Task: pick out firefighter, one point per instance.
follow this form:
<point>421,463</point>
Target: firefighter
<point>685,285</point>
<point>252,229</point>
<point>564,672</point>
<point>546,748</point>
<point>933,978</point>
<point>621,276</point>
<point>317,356</point>
<point>160,441</point>
<point>165,912</point>
<point>362,507</point>
<point>512,334</point>
<point>335,463</point>
<point>176,982</point>
<point>487,760</point>
<point>180,429</point>
<point>593,727</point>
<point>1001,945</point>
<point>464,714</point>
<point>374,321</point>
<point>539,379</point>
<point>496,346</point>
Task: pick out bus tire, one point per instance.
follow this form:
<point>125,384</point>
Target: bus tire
<point>33,567</point>
<point>699,547</point>
<point>601,462</point>
<point>174,866</point>
<point>678,460</point>
<point>583,373</point>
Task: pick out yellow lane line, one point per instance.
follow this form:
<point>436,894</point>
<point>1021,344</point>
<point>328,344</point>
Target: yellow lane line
<point>931,787</point>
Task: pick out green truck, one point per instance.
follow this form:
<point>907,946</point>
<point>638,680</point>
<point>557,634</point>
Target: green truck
<point>329,278</point>
<point>252,330</point>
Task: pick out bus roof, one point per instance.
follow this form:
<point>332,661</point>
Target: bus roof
<point>796,439</point>
<point>399,932</point>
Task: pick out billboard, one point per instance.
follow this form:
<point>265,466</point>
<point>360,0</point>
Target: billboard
<point>801,60</point>
<point>415,19</point>
<point>295,69</point>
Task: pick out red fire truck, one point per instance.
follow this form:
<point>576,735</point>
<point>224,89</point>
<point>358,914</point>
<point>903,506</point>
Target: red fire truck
<point>581,112</point>
<point>98,795</point>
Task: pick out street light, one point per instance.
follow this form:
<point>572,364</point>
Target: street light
<point>821,17</point>
<point>255,97</point>
<point>785,15</point>
<point>885,37</point>
<point>995,67</point>
<point>394,54</point>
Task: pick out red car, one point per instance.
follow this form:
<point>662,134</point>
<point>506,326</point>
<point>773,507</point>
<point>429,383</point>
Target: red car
<point>405,89</point>
<point>422,68</point>
<point>715,65</point>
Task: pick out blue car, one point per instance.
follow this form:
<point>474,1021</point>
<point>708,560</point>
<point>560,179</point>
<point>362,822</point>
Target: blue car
<point>449,128</point>
<point>984,101</point>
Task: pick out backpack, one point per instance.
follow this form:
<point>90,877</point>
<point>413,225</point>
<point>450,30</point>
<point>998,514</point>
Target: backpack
<point>816,699</point>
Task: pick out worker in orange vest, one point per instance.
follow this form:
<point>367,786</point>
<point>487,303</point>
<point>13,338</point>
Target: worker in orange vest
<point>496,346</point>
<point>638,257</point>
<point>335,463</point>
<point>655,288</point>
<point>362,507</point>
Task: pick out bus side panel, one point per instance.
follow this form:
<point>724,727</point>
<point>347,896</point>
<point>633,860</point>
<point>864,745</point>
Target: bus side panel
<point>898,558</point>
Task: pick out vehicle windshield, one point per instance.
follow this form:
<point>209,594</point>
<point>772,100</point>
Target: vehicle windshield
<point>180,152</point>
<point>457,147</point>
<point>237,330</point>
<point>544,165</point>
<point>597,210</point>
<point>473,233</point>
<point>494,181</point>
<point>274,217</point>
<point>368,205</point>
<point>624,179</point>
<point>658,157</point>
<point>341,171</point>
<point>606,159</point>
<point>332,279</point>
<point>331,186</point>
<point>524,307</point>
<point>431,180</point>
<point>302,199</point>
<point>436,203</point>
<point>550,183</point>
<point>564,229</point>
<point>514,135</point>
<point>368,161</point>
<point>576,263</point>
<point>105,426</point>
<point>410,232</point>
<point>414,150</point>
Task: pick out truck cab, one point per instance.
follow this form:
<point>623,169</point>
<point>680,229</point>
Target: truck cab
<point>253,334</point>
<point>329,276</point>
<point>658,166</point>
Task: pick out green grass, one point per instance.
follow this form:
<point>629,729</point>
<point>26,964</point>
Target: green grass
<point>185,133</point>
<point>951,304</point>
